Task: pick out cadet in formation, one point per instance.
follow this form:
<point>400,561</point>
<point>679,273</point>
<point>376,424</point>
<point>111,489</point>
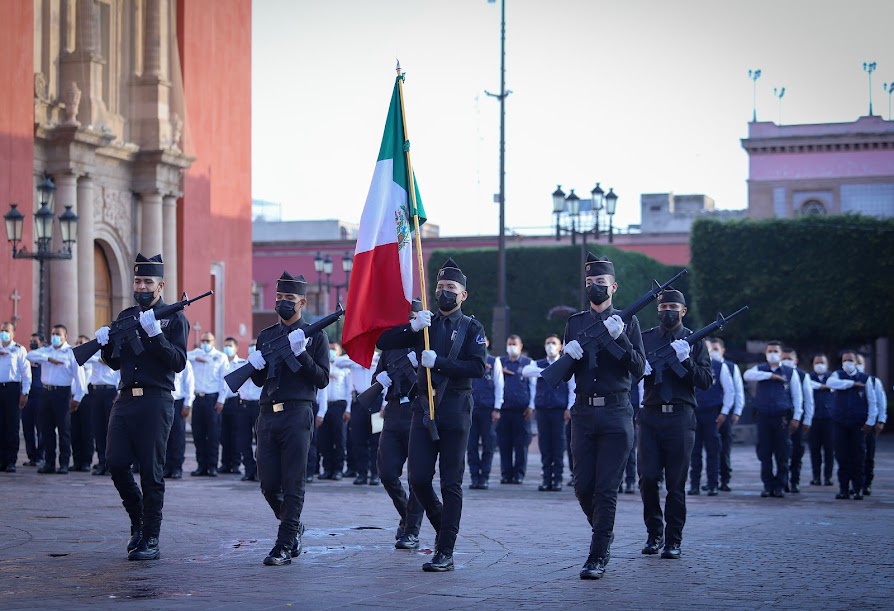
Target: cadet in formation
<point>15,384</point>
<point>487,399</point>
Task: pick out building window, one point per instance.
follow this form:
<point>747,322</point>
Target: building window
<point>257,297</point>
<point>813,206</point>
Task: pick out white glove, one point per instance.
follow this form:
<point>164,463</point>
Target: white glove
<point>574,350</point>
<point>428,358</point>
<point>614,325</point>
<point>682,348</point>
<point>532,370</point>
<point>257,360</point>
<point>413,360</point>
<point>102,335</point>
<point>298,341</point>
<point>151,326</point>
<point>648,370</point>
<point>384,379</point>
<point>422,320</point>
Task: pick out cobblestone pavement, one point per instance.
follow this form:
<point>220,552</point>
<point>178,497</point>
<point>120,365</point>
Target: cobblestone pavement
<point>62,544</point>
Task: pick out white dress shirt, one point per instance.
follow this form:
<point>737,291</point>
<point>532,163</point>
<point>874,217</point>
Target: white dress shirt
<point>807,393</point>
<point>14,366</point>
<point>499,383</point>
<point>323,401</point>
<point>361,377</point>
<point>207,371</point>
<point>739,385</point>
<point>250,391</point>
<point>881,401</point>
<point>838,383</point>
<point>230,365</point>
<point>185,385</point>
<point>794,385</point>
<point>729,390</point>
<point>532,371</point>
<point>100,373</point>
<point>339,388</point>
<point>66,374</point>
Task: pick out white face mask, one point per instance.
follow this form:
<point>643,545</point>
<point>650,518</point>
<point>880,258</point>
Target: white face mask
<point>820,368</point>
<point>861,368</point>
<point>551,350</point>
<point>716,356</point>
<point>849,367</point>
<point>788,363</point>
<point>773,358</point>
<point>229,351</point>
<point>513,350</point>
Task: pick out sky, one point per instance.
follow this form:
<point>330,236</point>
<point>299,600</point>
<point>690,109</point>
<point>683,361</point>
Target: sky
<point>644,96</point>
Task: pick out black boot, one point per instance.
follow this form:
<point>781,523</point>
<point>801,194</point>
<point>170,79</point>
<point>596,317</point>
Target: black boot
<point>136,533</point>
<point>296,545</point>
<point>146,550</point>
<point>594,568</point>
<point>440,563</point>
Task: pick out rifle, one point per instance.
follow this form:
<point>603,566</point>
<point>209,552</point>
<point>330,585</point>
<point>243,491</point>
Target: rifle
<point>666,357</point>
<point>596,337</point>
<point>399,370</point>
<point>279,350</point>
<point>127,331</point>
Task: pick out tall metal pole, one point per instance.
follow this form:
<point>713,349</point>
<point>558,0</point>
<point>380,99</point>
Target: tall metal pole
<point>754,75</point>
<point>869,68</point>
<point>41,298</point>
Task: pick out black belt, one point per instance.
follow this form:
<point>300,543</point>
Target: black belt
<point>138,391</point>
<point>250,401</point>
<point>206,394</point>
<point>52,387</point>
<point>8,384</point>
<point>602,400</point>
<point>668,408</point>
<point>103,387</point>
<point>275,408</point>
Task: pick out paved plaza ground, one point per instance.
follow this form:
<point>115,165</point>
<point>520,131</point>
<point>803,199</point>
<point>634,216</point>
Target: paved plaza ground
<point>62,544</point>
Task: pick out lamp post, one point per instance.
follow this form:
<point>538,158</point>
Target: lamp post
<point>576,214</point>
<point>889,89</point>
<point>347,264</point>
<point>43,231</point>
<point>318,266</point>
<point>611,204</point>
<point>754,75</point>
<point>869,68</point>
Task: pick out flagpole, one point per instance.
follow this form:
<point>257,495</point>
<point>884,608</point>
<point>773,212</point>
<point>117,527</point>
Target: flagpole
<point>411,185</point>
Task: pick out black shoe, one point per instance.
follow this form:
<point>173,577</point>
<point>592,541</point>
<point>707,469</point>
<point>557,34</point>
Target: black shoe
<point>725,488</point>
<point>672,552</point>
<point>858,496</point>
<point>693,492</point>
<point>795,489</point>
<point>46,469</point>
<point>557,487</point>
<point>705,488</point>
<point>786,488</point>
<point>628,489</point>
<point>815,482</point>
<point>212,472</point>
<point>712,491</point>
<point>545,487</point>
<point>483,485</point>
<point>83,469</point>
<point>653,545</point>
<point>62,470</point>
<point>361,480</point>
<point>407,542</point>
<point>100,470</point>
<point>178,474</point>
<point>325,475</point>
<point>765,494</point>
<point>440,563</point>
<point>349,473</point>
<point>199,472</point>
<point>10,468</point>
<point>594,568</point>
<point>517,480</point>
<point>278,556</point>
<point>842,496</point>
<point>29,463</point>
<point>337,476</point>
<point>136,533</point>
<point>867,491</point>
<point>296,544</point>
<point>147,549</point>
<point>309,479</point>
<point>505,480</point>
<point>474,486</point>
<point>827,482</point>
<point>374,481</point>
<point>778,493</point>
<point>254,478</point>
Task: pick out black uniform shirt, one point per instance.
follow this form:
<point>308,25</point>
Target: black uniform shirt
<point>468,364</point>
<point>163,356</point>
<point>303,384</point>
<point>611,375</point>
<point>698,369</point>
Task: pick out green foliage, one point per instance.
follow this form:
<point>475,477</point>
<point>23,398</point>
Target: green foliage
<point>810,281</point>
<point>538,279</point>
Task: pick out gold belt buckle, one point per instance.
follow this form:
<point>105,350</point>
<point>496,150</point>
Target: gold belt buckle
<point>278,407</point>
<point>597,401</point>
<point>136,392</point>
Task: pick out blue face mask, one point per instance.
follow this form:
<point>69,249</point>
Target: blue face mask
<point>5,336</point>
<point>251,349</point>
<point>229,351</point>
<point>207,347</point>
<point>332,355</point>
<point>56,340</point>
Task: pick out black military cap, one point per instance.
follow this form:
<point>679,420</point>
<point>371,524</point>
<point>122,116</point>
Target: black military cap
<point>671,295</point>
<point>450,271</point>
<point>153,266</point>
<point>416,305</point>
<point>599,266</point>
<point>288,283</point>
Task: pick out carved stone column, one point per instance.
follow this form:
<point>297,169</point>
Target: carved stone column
<point>63,274</point>
<point>86,270</point>
<point>151,236</point>
<point>169,252</point>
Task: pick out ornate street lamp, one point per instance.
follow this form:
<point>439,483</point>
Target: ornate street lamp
<point>611,203</point>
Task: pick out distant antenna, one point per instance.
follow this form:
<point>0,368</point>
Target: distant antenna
<point>779,93</point>
<point>754,75</point>
<point>869,68</point>
<point>889,88</point>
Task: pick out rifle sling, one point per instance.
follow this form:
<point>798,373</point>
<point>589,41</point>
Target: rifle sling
<point>458,340</point>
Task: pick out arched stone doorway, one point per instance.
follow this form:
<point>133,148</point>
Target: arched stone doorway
<point>102,304</point>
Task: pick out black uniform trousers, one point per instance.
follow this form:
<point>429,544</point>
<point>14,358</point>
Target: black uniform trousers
<point>229,427</point>
<point>630,471</point>
<point>55,416</point>
<point>206,431</point>
<point>31,426</point>
<point>707,438</point>
<point>176,449</point>
<point>102,398</point>
<point>364,444</point>
<point>822,448</point>
<point>283,440</point>
<point>850,452</point>
<point>796,455</point>
<point>601,438</point>
<point>82,433</point>
<point>513,437</point>
<point>10,393</point>
<point>394,448</point>
<point>245,432</point>
<point>665,446</point>
<point>331,439</point>
<point>551,440</point>
<point>313,455</point>
<point>568,447</point>
<point>773,441</point>
<point>481,431</point>
<point>138,432</point>
<point>870,457</point>
<point>454,418</point>
<point>726,450</point>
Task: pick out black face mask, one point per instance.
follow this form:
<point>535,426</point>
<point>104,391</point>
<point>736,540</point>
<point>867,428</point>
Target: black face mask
<point>143,299</point>
<point>446,300</point>
<point>597,293</point>
<point>285,309</point>
<point>34,345</point>
<point>669,318</point>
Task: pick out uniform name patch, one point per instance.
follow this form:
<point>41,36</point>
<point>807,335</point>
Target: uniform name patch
<point>479,340</point>
<point>164,322</point>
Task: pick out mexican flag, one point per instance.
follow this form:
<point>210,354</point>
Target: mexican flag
<point>381,286</point>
